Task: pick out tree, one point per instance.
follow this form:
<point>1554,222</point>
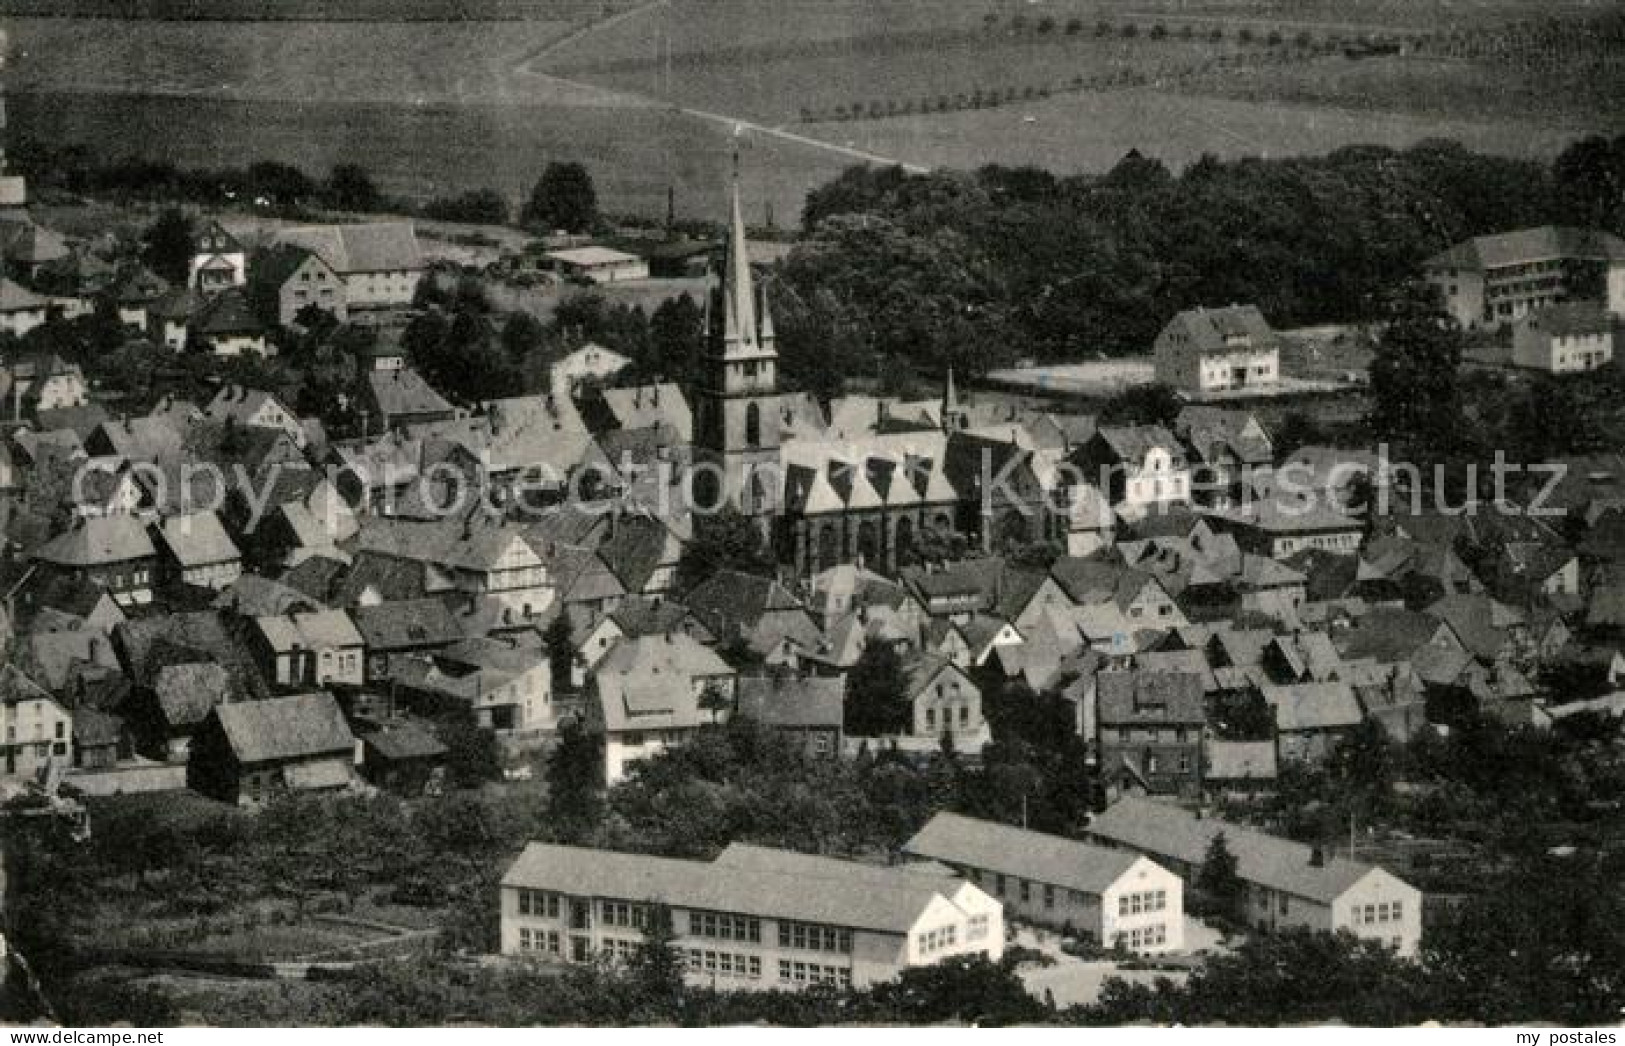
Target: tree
<point>657,965</point>
<point>1219,879</point>
<point>563,199</point>
<point>876,702</point>
<point>1414,387</point>
<point>723,540</point>
<point>350,188</point>
<point>1590,183</point>
<point>167,246</point>
<point>472,755</point>
<point>714,699</point>
<point>575,776</point>
<point>522,335</point>
<point>476,207</point>
<point>561,653</point>
<point>1154,404</point>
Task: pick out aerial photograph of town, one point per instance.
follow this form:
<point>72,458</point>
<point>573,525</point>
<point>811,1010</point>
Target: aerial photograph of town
<point>772,514</point>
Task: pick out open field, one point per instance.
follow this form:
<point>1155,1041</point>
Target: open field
<point>434,109</point>
<point>1090,131</point>
<point>311,10</point>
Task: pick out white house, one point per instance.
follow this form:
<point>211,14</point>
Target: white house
<point>1113,896</point>
<point>201,553</point>
<point>319,648</point>
<point>648,693</point>
<point>1564,339</point>
<point>753,919</point>
<point>599,264</point>
<point>379,262</point>
<point>1288,884</point>
<point>36,731</point>
<point>1207,351</point>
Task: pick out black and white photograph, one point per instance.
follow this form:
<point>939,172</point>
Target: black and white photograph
<point>1098,516</point>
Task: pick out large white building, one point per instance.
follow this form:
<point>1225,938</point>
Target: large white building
<point>1113,896</point>
<point>1205,351</point>
<point>379,262</point>
<point>1288,884</point>
<point>753,919</point>
<point>1489,281</point>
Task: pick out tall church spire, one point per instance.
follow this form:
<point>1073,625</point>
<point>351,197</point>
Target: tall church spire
<point>740,331</point>
<point>953,415</point>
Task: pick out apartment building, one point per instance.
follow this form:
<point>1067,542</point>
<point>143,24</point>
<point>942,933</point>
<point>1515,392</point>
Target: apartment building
<point>1490,281</point>
<point>753,919</point>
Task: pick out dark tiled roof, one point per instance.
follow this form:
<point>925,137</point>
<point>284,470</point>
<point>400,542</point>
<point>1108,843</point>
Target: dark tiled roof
<point>285,728</point>
<point>793,701</point>
<point>1128,698</point>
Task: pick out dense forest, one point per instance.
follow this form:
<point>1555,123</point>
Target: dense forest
<point>984,268</point>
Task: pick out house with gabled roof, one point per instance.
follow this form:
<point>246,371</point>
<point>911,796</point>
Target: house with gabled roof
<point>1227,350</point>
<point>507,686</point>
<point>1142,469</point>
<point>255,408</point>
<point>199,551</point>
<point>112,552</point>
<point>228,325</point>
<point>287,279</point>
<point>1312,718</point>
<point>380,263</point>
<point>249,752</point>
<point>760,612</point>
<point>400,397</point>
<point>655,691</point>
<point>311,648</point>
<point>807,709</point>
<point>1111,897</point>
<point>943,699</point>
<point>1150,727</point>
<point>36,730</point>
<point>1288,884</point>
<point>219,260</point>
<point>410,628</point>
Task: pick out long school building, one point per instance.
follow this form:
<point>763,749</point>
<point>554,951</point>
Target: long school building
<point>752,919</point>
<point>1288,884</point>
<point>1112,896</point>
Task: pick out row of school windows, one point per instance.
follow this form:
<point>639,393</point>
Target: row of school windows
<point>724,964</point>
<point>812,973</point>
<point>813,937</point>
<point>543,941</point>
<point>721,927</point>
<point>1024,888</point>
<point>1148,901</point>
<point>1144,937</point>
<point>1371,914</point>
<point>535,902</point>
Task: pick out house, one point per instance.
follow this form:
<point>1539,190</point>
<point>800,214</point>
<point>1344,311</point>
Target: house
<point>753,919</point>
<point>1281,526</point>
<point>482,559</point>
<point>312,648</point>
<point>508,688</point>
<point>255,408</point>
<point>1206,351</point>
<point>760,612</point>
<point>1141,468</point>
<point>599,265</point>
<point>409,628</point>
<point>590,362</point>
<point>21,310</point>
<point>1239,768</point>
<point>219,260</point>
<point>1490,281</point>
<point>287,279</point>
<point>403,757</point>
<point>1564,339</point>
<point>1312,717</point>
<point>171,705</point>
<point>943,699</point>
<point>809,709</point>
<point>1226,447</point>
<point>1150,727</point>
<point>36,730</point>
<point>652,692</point>
<point>46,382</point>
<point>1288,884</point>
<point>596,635</point>
<point>201,553</point>
<point>112,552</point>
<point>227,324</point>
<point>1110,896</point>
<point>380,263</point>
<point>99,740</point>
<point>249,752</point>
<point>400,397</point>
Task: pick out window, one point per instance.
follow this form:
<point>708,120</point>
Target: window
<point>930,719</point>
<point>977,928</point>
<point>1049,896</point>
<point>1026,891</point>
<point>998,884</point>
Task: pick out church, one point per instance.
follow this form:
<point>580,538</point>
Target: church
<point>908,487</point>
